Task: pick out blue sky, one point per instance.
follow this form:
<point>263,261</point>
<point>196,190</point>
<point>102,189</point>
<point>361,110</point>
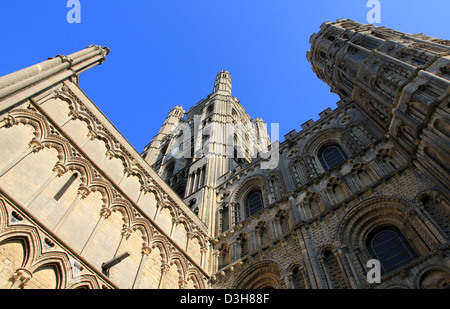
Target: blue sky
<point>167,52</point>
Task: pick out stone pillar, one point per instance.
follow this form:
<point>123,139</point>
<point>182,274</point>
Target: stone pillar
<point>20,278</point>
<point>145,252</point>
<point>104,214</point>
<point>164,269</point>
<point>34,146</point>
<point>58,171</point>
<point>82,193</point>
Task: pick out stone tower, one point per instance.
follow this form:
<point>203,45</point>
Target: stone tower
<point>397,79</point>
<point>199,208</point>
<point>193,151</point>
<point>373,170</point>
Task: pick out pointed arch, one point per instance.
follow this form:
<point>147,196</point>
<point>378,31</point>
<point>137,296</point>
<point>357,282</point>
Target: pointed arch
<point>30,239</point>
<point>179,260</point>
<point>159,241</point>
<point>196,278</point>
<point>124,209</point>
<point>145,228</point>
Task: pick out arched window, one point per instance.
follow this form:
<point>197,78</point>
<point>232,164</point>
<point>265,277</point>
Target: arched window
<point>181,190</point>
<point>390,247</point>
<point>168,171</point>
<point>254,202</point>
<point>224,256</point>
<point>225,223</point>
<point>298,279</point>
<point>162,153</point>
<point>209,110</point>
<point>234,116</point>
<point>331,155</point>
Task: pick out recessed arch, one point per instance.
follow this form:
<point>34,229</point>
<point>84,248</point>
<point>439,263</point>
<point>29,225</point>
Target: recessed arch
<point>333,136</point>
<point>239,197</point>
<point>434,276</point>
<point>266,274</point>
<point>363,219</point>
<point>331,155</point>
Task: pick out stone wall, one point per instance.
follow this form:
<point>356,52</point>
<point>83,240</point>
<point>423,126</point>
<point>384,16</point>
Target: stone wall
<point>69,174</point>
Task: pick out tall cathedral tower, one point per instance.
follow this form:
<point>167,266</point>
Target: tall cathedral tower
<point>194,150</point>
<point>400,80</point>
<point>199,208</point>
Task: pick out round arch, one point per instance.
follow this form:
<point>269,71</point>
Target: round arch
<point>266,274</point>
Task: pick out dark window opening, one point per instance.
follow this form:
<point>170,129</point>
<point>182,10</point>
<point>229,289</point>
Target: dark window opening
<point>331,155</point>
<point>254,203</point>
<point>390,247</point>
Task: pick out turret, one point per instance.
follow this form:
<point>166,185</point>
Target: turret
<point>158,147</point>
<point>400,81</point>
<point>223,83</point>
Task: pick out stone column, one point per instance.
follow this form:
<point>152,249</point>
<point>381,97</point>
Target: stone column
<point>7,122</point>
<point>20,278</point>
<point>82,193</point>
<point>311,255</point>
<point>164,269</point>
<point>145,252</point>
<point>57,171</point>
<point>104,214</point>
<point>34,146</point>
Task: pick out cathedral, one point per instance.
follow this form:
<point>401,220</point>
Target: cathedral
<point>358,199</point>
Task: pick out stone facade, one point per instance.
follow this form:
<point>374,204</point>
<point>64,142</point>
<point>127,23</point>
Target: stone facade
<point>203,206</point>
<point>74,194</point>
<point>358,172</point>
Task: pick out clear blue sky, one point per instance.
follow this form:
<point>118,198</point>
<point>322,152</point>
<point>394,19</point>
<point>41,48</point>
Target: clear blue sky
<point>167,52</point>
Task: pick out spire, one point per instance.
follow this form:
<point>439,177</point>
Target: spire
<point>223,83</point>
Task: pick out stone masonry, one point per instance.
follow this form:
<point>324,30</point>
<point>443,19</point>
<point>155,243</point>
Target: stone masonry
<point>211,202</point>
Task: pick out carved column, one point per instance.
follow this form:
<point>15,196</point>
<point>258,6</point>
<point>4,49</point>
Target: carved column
<point>344,266</point>
<point>82,193</point>
<point>104,214</point>
<point>164,269</point>
<point>353,268</point>
<point>126,232</point>
<point>7,122</point>
<point>57,171</point>
<point>144,189</point>
<point>323,270</point>
<point>310,256</point>
<point>159,206</point>
<point>34,147</point>
<point>215,261</point>
<point>203,251</point>
<point>145,252</point>
<point>20,278</point>
<point>278,232</point>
